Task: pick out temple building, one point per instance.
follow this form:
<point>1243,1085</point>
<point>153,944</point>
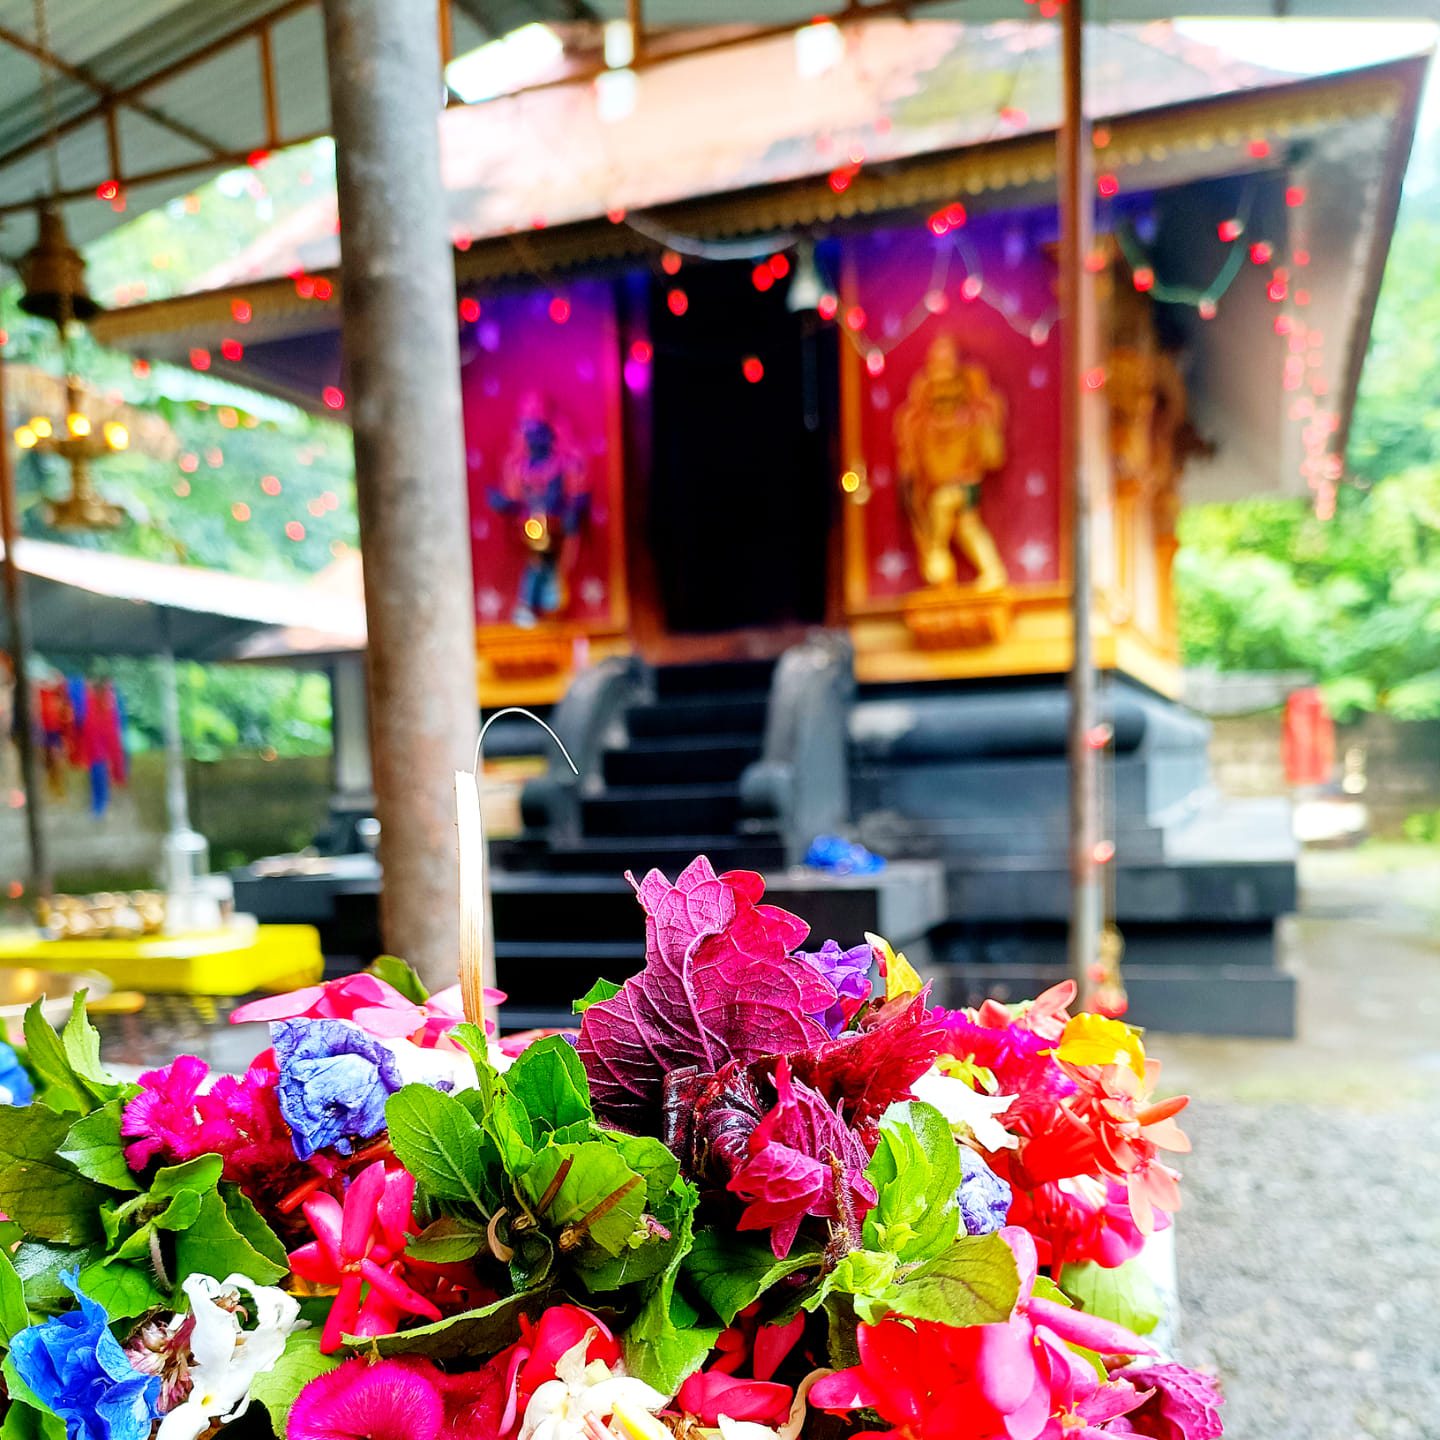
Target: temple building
<point>762,420</point>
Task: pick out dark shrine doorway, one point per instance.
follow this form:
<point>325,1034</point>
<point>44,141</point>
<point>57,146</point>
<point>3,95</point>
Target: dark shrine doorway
<point>744,453</point>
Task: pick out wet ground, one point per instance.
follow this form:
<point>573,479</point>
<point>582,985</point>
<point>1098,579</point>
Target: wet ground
<point>1309,1246</point>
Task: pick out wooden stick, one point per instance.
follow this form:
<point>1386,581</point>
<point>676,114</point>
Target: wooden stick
<point>477,947</point>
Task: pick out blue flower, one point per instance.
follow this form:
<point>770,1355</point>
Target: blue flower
<point>75,1366</point>
<point>984,1197</point>
<point>14,1081</point>
<point>334,1081</point>
<point>849,972</point>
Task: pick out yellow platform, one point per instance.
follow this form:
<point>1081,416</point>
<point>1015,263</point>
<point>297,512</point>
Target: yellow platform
<point>234,961</point>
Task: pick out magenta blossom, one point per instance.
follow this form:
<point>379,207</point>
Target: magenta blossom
<point>370,1003</point>
<point>387,1400</point>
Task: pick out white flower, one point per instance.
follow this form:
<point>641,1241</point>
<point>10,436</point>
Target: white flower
<point>226,1357</point>
<point>560,1408</point>
<point>961,1105</point>
<point>435,1066</point>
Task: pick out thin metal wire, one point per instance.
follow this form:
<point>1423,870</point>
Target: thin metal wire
<point>529,715</point>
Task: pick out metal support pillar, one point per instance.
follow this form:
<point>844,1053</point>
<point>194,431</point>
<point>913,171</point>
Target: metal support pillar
<point>187,856</point>
<point>18,640</point>
<point>1077,440</point>
<point>403,397</point>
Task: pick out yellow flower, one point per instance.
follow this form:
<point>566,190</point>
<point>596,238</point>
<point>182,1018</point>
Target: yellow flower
<point>900,975</point>
<point>1096,1040</point>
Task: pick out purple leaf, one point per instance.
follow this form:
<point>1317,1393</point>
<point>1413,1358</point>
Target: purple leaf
<point>719,984</point>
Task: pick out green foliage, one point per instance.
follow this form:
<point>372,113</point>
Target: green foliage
<point>1355,601</point>
<point>299,1363</point>
<point>1125,1294</point>
<point>916,1173</point>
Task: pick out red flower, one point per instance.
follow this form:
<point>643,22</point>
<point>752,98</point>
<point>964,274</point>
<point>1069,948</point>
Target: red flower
<point>709,1394</point>
<point>360,1247</point>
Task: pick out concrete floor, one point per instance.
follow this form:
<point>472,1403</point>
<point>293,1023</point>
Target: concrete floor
<point>1309,1245</point>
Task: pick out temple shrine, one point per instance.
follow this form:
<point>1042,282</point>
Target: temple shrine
<point>762,418</point>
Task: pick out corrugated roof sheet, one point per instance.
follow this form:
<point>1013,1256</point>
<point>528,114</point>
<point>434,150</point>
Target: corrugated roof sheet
<point>133,57</point>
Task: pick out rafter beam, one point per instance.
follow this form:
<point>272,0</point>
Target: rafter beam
<point>108,97</point>
<point>129,95</point>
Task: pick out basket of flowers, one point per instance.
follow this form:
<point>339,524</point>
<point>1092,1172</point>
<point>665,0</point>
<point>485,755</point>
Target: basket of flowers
<point>759,1191</point>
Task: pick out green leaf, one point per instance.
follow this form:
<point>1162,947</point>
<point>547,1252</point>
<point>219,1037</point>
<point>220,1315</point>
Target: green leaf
<point>214,1245</point>
<point>299,1363</point>
<point>650,1158</point>
<point>447,1240</point>
<point>597,1200</point>
<point>665,1343</point>
<point>124,1290</point>
<point>600,991</point>
<point>457,1337</point>
<point>916,1172</point>
<point>973,1283</point>
<point>647,1259</point>
<point>549,1081</point>
<point>59,1087</point>
<point>253,1227</point>
<point>394,971</point>
<point>14,1316</point>
<point>40,1266</point>
<point>37,1188</point>
<point>81,1043</point>
<point>1125,1294</point>
<point>730,1272</point>
<point>439,1142</point>
<point>94,1146</point>
<point>197,1176</point>
<point>866,1275</point>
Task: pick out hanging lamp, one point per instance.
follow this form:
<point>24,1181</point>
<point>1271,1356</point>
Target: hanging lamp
<point>53,274</point>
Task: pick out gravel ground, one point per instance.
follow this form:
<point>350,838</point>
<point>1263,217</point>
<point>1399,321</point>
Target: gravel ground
<point>1309,1245</point>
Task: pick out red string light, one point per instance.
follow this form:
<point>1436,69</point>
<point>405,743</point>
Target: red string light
<point>855,318</point>
<point>334,397</point>
<point>231,349</point>
<point>828,306</point>
<point>200,358</point>
<point>1259,149</point>
<point>762,278</point>
<point>240,511</point>
<point>642,352</point>
<point>678,301</point>
<point>469,309</point>
<point>294,530</point>
<point>1229,230</point>
<point>670,262</point>
<point>752,369</point>
<point>1108,184</point>
<point>241,312</point>
<point>1260,252</point>
<point>270,484</point>
<point>560,310</point>
<point>108,190</point>
<point>779,266</point>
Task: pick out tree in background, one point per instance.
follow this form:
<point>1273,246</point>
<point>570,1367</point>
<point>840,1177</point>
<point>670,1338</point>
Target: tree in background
<point>1355,600</point>
<point>257,487</point>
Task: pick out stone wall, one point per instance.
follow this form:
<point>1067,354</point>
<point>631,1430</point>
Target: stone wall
<point>244,806</point>
<point>1401,762</point>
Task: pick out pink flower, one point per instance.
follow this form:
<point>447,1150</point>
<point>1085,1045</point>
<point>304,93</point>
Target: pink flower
<point>1180,1403</point>
<point>163,1113</point>
<point>360,1247</point>
<point>372,1004</point>
<point>388,1400</point>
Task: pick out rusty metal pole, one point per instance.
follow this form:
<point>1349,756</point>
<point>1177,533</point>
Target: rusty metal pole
<point>403,395</point>
<point>1077,411</point>
<point>18,638</point>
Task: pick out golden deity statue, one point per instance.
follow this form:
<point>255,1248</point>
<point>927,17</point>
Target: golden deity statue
<point>949,434</point>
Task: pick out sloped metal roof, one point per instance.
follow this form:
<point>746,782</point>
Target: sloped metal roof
<point>166,93</point>
<point>83,600</point>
